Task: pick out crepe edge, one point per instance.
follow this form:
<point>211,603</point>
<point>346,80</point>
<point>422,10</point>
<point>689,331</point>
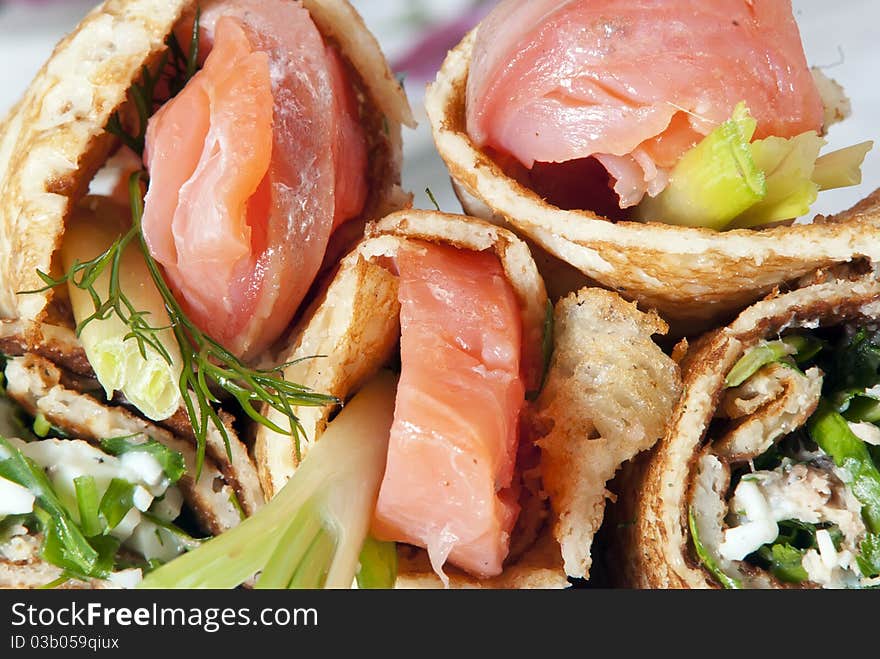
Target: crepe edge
<point>694,277</point>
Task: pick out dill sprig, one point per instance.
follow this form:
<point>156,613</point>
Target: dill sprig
<point>185,65</point>
<point>141,95</point>
<point>207,365</point>
<point>176,67</point>
<point>432,198</point>
<point>84,274</point>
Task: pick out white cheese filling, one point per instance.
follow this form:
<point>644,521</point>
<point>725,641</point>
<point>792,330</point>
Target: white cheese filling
<point>15,499</point>
<point>64,460</point>
<point>758,528</point>
<point>797,492</point>
<point>867,432</point>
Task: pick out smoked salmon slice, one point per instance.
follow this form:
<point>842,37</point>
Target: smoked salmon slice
<point>634,84</point>
<point>252,165</point>
<point>449,476</point>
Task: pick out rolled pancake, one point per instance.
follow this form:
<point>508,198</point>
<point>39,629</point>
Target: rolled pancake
<point>41,387</point>
<point>694,277</point>
<point>52,143</point>
<point>651,542</point>
<point>54,140</point>
<point>604,368</point>
<point>22,568</point>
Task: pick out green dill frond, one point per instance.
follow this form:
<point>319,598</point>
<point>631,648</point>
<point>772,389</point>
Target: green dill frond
<point>207,365</point>
<point>176,68</point>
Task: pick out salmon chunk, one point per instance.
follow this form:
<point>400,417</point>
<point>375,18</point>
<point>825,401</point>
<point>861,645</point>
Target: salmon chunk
<point>448,480</point>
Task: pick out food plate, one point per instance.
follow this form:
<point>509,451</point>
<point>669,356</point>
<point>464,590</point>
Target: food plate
<point>231,244</point>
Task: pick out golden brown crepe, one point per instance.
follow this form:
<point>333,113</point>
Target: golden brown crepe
<point>41,387</point>
<point>52,143</point>
<point>54,140</point>
<point>694,277</point>
<point>608,390</point>
<point>652,546</point>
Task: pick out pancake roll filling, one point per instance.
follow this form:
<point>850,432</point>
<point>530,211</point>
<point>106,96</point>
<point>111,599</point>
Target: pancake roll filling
<point>787,491</point>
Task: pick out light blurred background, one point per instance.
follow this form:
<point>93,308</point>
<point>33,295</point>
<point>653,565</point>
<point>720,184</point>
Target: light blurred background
<point>841,37</point>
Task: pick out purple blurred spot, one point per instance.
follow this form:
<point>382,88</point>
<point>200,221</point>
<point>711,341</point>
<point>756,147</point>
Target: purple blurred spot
<point>422,61</point>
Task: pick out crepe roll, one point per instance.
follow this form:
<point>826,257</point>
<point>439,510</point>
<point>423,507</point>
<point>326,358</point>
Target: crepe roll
<point>767,474</point>
<point>662,151</point>
<point>263,92</point>
<point>509,416</point>
<point>174,181</point>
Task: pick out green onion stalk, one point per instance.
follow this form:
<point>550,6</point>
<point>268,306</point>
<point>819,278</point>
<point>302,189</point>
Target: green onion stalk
<point>313,534</point>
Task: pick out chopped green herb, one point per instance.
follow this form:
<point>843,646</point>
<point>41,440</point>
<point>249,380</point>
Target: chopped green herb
<point>143,94</point>
<point>64,545</point>
<point>869,556</point>
<point>118,499</point>
<point>56,583</point>
<point>784,557</point>
<point>172,462</point>
<point>432,198</point>
<point>378,564</point>
<point>785,562</point>
<point>107,547</point>
<point>88,503</point>
<point>832,433</point>
<point>802,535</point>
<point>707,559</point>
<point>41,425</point>
<point>233,499</point>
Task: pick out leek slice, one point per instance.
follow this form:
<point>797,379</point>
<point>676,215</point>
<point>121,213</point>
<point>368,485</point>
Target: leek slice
<point>788,167</point>
<point>755,359</point>
<point>378,564</point>
<point>726,182</point>
<point>841,168</point>
<point>799,347</point>
<point>713,182</point>
<point>311,533</point>
<point>148,380</point>
<point>796,173</point>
